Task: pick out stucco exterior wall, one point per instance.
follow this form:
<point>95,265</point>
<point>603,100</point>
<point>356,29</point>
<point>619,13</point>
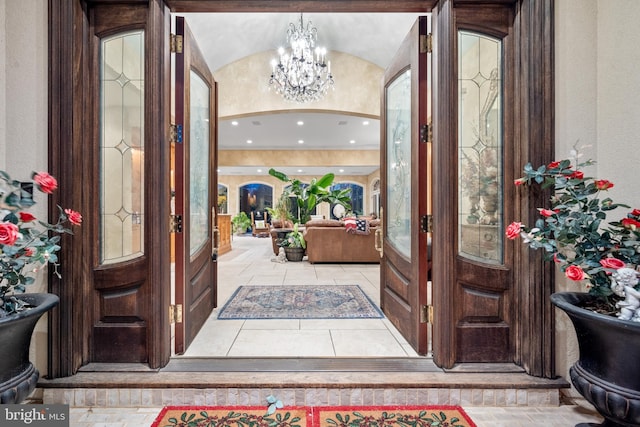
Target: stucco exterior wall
<point>597,107</point>
<point>23,114</point>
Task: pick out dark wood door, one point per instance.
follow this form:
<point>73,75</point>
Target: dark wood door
<point>195,188</point>
<point>404,174</point>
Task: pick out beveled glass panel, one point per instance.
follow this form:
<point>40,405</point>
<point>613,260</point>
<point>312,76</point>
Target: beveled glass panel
<point>398,167</point>
<point>480,171</point>
<point>121,147</point>
<point>199,168</point>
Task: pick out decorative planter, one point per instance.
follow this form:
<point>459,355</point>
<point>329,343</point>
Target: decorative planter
<point>294,254</point>
<point>606,372</point>
<point>18,376</point>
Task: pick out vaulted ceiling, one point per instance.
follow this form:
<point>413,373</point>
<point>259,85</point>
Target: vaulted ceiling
<point>228,37</point>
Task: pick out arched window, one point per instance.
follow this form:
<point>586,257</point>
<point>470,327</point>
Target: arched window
<point>255,197</point>
<point>357,197</point>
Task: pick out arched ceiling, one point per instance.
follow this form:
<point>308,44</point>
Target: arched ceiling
<point>227,37</point>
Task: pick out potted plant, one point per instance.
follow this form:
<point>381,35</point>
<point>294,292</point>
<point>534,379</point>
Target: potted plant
<point>280,212</point>
<point>240,223</point>
<point>27,245</point>
<point>316,192</point>
<point>294,244</point>
<point>604,256</point>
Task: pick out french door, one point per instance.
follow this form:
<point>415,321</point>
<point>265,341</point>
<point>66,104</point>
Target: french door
<point>405,169</point>
<point>195,189</point>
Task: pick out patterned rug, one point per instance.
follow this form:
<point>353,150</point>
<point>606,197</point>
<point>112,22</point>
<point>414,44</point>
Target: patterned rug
<point>300,302</point>
<point>316,416</point>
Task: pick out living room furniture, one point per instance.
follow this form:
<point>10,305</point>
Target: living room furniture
<point>328,241</point>
<point>259,226</point>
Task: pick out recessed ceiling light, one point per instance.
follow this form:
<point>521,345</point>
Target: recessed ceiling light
<point>365,123</point>
<point>341,170</point>
<point>300,122</point>
<point>300,141</point>
<point>299,170</point>
<point>249,141</point>
<point>259,170</point>
<point>353,141</point>
<point>234,123</point>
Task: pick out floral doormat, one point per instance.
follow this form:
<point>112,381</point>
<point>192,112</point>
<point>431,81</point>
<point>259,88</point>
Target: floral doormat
<point>300,302</point>
<point>314,416</point>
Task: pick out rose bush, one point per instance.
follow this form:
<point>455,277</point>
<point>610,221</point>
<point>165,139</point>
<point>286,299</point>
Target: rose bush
<point>574,233</point>
<point>26,243</point>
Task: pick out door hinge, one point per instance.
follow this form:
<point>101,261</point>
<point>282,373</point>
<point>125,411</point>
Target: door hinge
<point>175,43</point>
<point>424,133</point>
<point>426,43</point>
<point>175,224</point>
<point>175,133</point>
<point>426,223</point>
<point>175,313</point>
<point>426,314</point>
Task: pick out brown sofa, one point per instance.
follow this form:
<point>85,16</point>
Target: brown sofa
<point>328,241</point>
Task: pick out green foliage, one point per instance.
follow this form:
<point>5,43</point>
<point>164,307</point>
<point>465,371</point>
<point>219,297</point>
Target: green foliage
<point>294,239</point>
<point>281,209</point>
<point>240,223</point>
<point>573,230</point>
<point>308,196</point>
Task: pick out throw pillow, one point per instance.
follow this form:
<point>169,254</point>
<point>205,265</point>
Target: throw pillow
<point>362,226</point>
<point>259,224</point>
<point>349,224</point>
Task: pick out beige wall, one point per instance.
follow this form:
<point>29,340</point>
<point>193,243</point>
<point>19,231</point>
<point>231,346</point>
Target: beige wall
<point>597,106</point>
<point>242,93</point>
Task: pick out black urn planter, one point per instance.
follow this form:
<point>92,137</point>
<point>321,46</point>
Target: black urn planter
<point>606,374</point>
<point>294,254</point>
<point>18,376</point>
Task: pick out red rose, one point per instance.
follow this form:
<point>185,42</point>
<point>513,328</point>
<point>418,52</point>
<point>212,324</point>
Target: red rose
<point>29,251</point>
<point>513,230</point>
<point>26,217</point>
<point>546,212</point>
<point>519,181</point>
<point>9,233</point>
<point>553,165</point>
<point>614,263</point>
<point>604,184</point>
<point>635,212</point>
<point>46,182</point>
<point>577,175</point>
<point>631,223</point>
<point>74,217</point>
<point>573,272</point>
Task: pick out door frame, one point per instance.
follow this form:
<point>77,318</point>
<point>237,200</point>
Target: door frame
<point>67,58</point>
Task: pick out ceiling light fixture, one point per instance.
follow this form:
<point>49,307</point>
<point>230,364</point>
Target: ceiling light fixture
<point>301,73</point>
<point>300,141</point>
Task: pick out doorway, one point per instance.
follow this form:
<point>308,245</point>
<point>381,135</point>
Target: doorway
<point>72,158</point>
<point>383,337</point>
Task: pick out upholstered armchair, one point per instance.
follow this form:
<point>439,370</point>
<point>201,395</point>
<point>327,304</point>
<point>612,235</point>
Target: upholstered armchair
<point>259,226</point>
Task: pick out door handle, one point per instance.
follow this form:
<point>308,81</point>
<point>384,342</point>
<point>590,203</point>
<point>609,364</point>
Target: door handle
<point>215,245</point>
<point>377,241</point>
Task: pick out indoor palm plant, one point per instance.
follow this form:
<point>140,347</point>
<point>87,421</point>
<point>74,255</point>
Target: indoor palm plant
<point>575,236</point>
<point>308,196</point>
<point>27,245</point>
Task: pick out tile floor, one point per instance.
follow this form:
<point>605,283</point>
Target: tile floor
<point>250,263</point>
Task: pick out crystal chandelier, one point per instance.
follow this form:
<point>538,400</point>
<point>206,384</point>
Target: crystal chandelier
<point>301,73</point>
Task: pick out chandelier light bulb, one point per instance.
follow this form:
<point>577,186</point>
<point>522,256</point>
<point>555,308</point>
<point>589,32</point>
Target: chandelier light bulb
<point>301,72</point>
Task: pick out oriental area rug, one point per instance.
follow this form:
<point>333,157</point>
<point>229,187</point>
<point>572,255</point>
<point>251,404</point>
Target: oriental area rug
<point>314,416</point>
<point>300,302</point>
